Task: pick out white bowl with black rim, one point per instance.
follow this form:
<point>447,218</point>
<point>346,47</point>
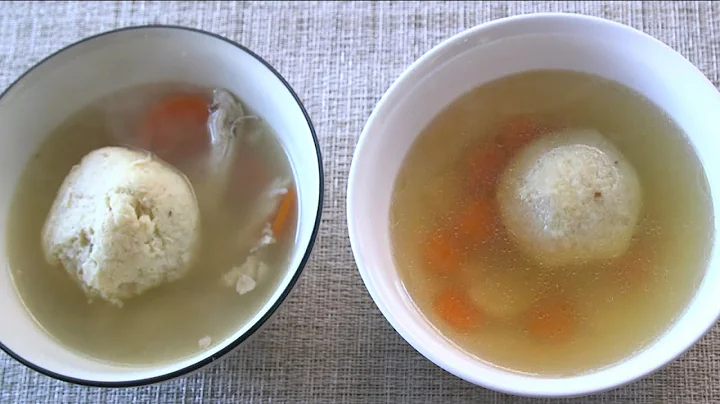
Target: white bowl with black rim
<point>70,79</point>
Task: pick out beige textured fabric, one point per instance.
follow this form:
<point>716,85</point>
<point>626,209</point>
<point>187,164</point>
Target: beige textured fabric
<point>330,343</point>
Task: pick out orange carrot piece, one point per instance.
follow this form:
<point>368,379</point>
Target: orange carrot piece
<point>552,319</point>
<point>485,166</point>
<point>176,126</point>
<point>517,133</point>
<point>443,253</point>
<point>476,222</point>
<point>284,211</point>
<point>457,310</point>
<point>487,162</point>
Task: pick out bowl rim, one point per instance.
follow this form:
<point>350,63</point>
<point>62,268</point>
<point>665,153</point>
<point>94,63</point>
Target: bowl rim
<point>383,107</point>
<point>298,271</point>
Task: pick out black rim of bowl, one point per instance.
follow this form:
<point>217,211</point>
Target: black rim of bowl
<point>234,344</point>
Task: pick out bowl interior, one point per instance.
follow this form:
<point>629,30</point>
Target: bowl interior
<point>480,55</point>
<point>71,79</point>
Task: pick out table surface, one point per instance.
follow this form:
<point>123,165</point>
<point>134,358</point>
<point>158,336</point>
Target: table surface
<point>330,343</point>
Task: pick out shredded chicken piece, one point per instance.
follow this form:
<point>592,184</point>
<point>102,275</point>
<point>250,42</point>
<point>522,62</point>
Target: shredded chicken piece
<point>223,124</point>
<point>266,238</point>
<point>245,284</point>
<point>265,206</point>
<point>245,277</point>
<point>204,342</point>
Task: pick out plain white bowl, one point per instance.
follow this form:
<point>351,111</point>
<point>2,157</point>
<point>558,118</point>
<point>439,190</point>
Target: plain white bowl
<point>485,53</point>
<point>75,76</point>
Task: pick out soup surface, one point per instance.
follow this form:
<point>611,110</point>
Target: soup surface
<point>467,274</point>
<point>178,318</point>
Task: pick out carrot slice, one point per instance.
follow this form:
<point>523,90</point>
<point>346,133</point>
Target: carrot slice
<point>443,254</point>
<point>176,126</point>
<point>485,166</point>
<point>552,319</point>
<point>457,310</point>
<point>476,222</point>
<point>518,132</point>
<point>487,162</point>
<point>282,216</point>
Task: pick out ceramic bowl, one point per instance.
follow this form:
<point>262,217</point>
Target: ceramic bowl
<point>72,78</point>
<point>489,52</point>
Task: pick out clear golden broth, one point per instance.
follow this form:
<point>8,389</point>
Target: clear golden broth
<point>615,312</point>
<point>165,323</point>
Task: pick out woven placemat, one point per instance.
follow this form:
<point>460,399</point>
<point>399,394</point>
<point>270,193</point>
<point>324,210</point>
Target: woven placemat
<point>330,343</point>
